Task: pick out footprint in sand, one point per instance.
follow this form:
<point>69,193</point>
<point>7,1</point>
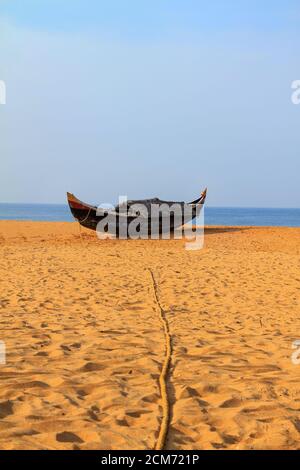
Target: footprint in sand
<point>231,403</point>
<point>68,436</point>
<point>92,367</point>
<point>6,409</point>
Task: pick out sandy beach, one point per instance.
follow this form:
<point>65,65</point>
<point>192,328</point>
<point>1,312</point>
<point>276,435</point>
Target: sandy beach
<point>80,318</point>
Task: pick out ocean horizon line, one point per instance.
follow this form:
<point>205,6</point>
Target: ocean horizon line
<point>206,206</point>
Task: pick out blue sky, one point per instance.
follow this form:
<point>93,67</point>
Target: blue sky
<point>145,98</point>
<point>153,18</point>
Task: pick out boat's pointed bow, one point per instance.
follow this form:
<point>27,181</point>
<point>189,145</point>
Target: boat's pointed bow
<point>71,198</point>
<point>75,203</point>
<point>203,195</point>
<point>201,199</point>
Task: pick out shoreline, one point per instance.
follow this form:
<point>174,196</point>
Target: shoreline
<point>68,222</point>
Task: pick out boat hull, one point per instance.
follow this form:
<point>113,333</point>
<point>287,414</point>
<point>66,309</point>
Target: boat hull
<point>124,225</point>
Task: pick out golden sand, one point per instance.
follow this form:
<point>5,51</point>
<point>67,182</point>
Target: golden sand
<point>85,342</point>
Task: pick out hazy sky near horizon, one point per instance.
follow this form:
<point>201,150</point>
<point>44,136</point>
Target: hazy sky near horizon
<point>150,98</point>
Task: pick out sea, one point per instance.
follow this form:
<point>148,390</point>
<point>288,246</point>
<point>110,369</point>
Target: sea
<point>228,216</point>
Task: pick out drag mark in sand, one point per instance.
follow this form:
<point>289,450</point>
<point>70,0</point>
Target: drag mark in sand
<point>163,378</point>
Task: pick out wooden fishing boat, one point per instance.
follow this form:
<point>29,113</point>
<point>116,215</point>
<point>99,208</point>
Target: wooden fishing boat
<point>152,216</point>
